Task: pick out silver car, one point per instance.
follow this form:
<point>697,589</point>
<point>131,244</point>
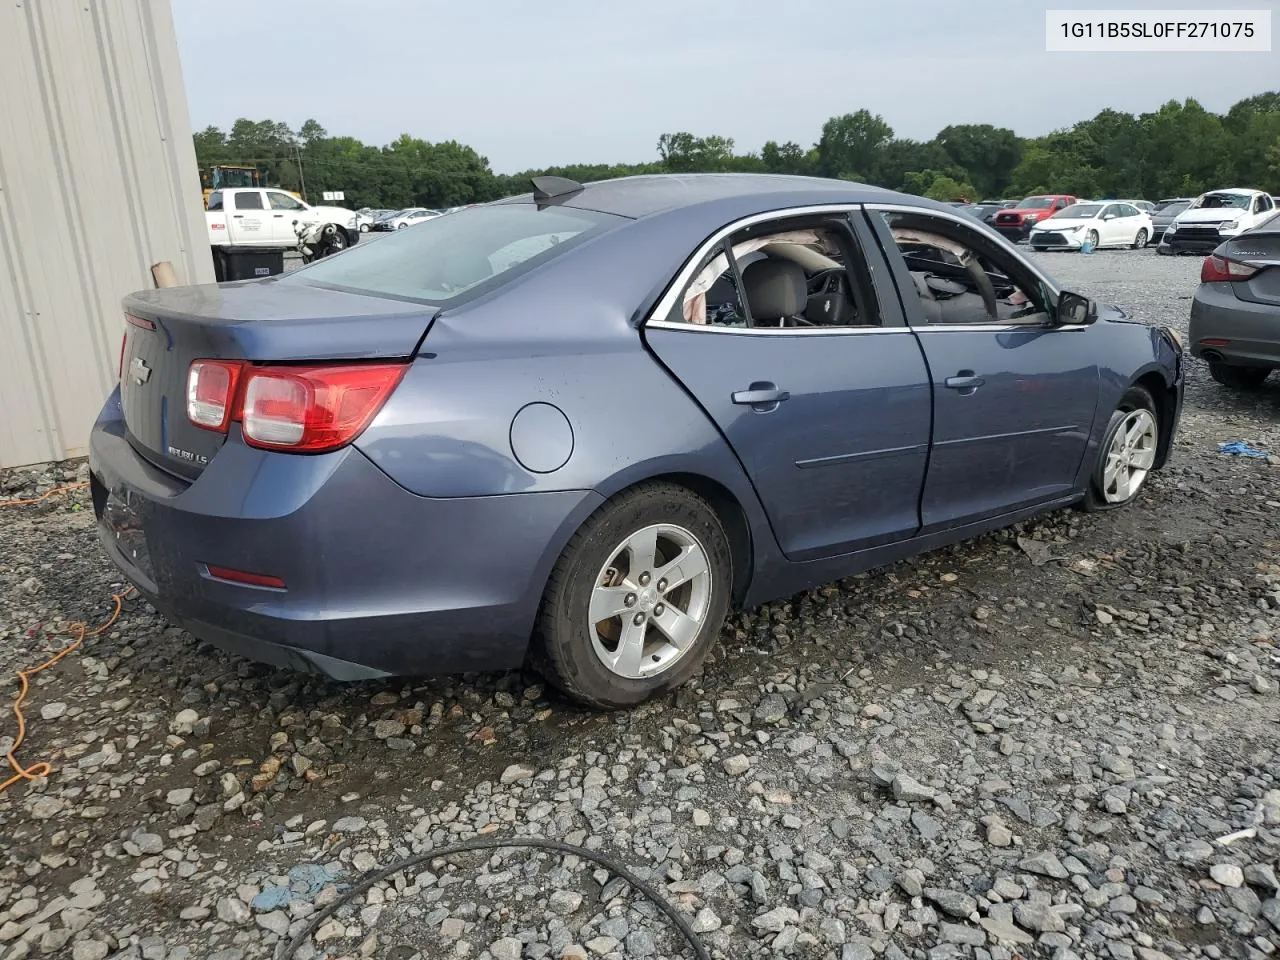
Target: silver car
<point>1235,314</point>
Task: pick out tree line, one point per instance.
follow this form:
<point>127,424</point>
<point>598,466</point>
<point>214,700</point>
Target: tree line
<point>1180,149</point>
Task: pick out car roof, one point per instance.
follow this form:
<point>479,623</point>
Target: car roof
<point>649,194</point>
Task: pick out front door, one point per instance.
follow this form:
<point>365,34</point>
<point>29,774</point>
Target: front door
<point>286,211</point>
<point>826,406</point>
<point>1013,398</point>
<point>247,222</point>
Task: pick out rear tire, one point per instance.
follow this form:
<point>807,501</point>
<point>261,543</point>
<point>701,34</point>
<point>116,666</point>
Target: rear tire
<point>1239,378</point>
<point>628,657</point>
<point>1140,240</point>
<point>1127,453</point>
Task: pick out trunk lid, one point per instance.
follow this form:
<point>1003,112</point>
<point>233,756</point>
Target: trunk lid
<point>1260,249</point>
<point>258,321</point>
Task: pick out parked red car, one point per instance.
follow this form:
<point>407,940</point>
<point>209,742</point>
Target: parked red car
<point>1016,223</point>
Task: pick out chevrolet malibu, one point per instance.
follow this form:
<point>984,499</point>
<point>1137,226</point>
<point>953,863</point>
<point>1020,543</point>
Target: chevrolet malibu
<point>576,427</point>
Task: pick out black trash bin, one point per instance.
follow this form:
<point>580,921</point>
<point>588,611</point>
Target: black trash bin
<point>247,263</point>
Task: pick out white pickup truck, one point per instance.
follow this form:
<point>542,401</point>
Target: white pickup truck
<point>263,217</point>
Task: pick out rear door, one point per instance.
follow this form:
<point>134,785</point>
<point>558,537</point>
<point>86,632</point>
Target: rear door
<point>1013,399</point>
<point>1260,249</point>
<point>248,221</point>
<point>829,419</point>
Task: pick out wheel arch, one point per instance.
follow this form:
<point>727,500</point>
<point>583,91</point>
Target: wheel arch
<point>1165,395</point>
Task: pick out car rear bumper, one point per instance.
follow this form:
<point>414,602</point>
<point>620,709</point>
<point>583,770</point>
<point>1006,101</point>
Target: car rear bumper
<point>377,580</point>
<point>1251,330</point>
<point>1179,242</point>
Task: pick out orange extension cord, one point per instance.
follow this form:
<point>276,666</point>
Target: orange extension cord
<point>82,633</point>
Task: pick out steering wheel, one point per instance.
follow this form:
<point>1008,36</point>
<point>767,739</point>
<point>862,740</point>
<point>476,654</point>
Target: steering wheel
<point>985,287</point>
<point>820,281</point>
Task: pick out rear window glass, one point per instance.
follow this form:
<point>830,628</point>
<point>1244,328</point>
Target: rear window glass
<point>446,260</point>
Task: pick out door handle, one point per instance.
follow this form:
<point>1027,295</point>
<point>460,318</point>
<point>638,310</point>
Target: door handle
<point>966,381</point>
<point>238,216</point>
<point>762,395</point>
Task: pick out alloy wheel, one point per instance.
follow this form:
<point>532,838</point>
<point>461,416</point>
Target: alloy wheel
<point>649,601</point>
<point>1130,456</point>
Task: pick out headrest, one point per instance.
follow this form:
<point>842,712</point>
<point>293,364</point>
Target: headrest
<point>774,288</point>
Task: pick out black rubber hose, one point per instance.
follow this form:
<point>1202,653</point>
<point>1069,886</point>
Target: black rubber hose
<point>501,843</point>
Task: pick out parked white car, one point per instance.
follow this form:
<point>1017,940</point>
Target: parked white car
<point>257,217</point>
<point>409,218</point>
<point>1216,216</point>
<point>1110,224</point>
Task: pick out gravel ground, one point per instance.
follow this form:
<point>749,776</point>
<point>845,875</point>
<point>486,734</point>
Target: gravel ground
<point>1058,740</point>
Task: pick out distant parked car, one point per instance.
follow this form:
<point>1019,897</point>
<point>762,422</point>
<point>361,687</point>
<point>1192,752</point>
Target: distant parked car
<point>1146,206</point>
<point>1161,219</point>
<point>1015,223</point>
<point>1235,314</point>
<point>1216,216</point>
<point>402,459</point>
<point>409,218</point>
<point>1161,204</point>
<point>1116,224</point>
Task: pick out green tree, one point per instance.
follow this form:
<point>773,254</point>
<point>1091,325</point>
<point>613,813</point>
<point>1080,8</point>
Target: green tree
<point>987,154</point>
<point>788,157</point>
<point>849,144</point>
<point>684,153</point>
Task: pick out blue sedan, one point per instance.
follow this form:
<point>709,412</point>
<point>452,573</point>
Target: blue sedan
<point>576,427</point>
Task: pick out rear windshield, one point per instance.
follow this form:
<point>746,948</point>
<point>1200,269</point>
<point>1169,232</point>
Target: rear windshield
<point>1081,210</point>
<point>445,260</point>
<point>1173,209</point>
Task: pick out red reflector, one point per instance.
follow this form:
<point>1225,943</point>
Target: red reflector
<point>142,322</point>
<point>240,576</point>
<point>211,390</point>
<point>1216,269</point>
<point>1214,342</point>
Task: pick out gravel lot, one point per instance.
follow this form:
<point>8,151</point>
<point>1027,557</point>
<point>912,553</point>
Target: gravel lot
<point>1058,740</point>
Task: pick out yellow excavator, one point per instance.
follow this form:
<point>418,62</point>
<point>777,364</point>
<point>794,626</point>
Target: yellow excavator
<point>228,175</point>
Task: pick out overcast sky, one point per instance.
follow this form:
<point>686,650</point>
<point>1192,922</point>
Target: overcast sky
<point>531,84</point>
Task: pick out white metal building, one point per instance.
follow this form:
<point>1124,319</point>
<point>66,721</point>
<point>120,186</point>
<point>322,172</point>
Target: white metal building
<point>98,181</point>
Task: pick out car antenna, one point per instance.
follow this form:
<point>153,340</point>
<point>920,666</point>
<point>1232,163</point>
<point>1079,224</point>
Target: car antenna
<point>549,189</point>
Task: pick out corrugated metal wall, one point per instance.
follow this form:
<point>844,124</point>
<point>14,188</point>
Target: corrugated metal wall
<point>98,181</point>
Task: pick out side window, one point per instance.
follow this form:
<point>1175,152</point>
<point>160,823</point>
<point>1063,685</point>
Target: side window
<point>961,277</point>
<point>801,274</point>
<point>247,201</point>
<point>215,200</point>
<point>282,201</point>
<point>1128,210</point>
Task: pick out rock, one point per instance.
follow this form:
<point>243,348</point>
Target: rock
<point>1271,911</point>
<point>517,772</point>
<point>1038,917</point>
<point>706,921</point>
<point>89,950</point>
<point>349,824</point>
<point>961,933</point>
<point>564,902</point>
<point>574,952</point>
<point>148,844</point>
<point>331,929</point>
<point>701,818</point>
<point>451,928</point>
<point>232,910</point>
<point>1046,865</point>
<point>952,902</point>
<point>737,765</point>
<point>1261,875</point>
<point>1227,874</point>
<point>905,788</point>
<point>194,913</point>
<point>640,943</point>
<point>184,722</point>
<point>276,921</point>
<point>44,808</point>
<point>508,948</point>
<point>772,709</point>
<point>775,920</point>
<point>52,711</point>
<point>998,835</point>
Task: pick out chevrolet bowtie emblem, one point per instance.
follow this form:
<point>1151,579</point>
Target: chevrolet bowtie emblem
<point>139,370</point>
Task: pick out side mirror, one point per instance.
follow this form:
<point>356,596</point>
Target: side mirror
<point>1074,309</point>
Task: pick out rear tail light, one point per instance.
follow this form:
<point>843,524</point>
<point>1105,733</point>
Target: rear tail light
<point>211,393</point>
<point>303,409</point>
<point>1217,269</point>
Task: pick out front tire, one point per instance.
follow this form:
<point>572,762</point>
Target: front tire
<point>637,598</point>
<point>1127,453</point>
<point>1238,378</point>
<point>1140,240</point>
<point>364,228</point>
<point>339,240</point>
<point>1091,238</point>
